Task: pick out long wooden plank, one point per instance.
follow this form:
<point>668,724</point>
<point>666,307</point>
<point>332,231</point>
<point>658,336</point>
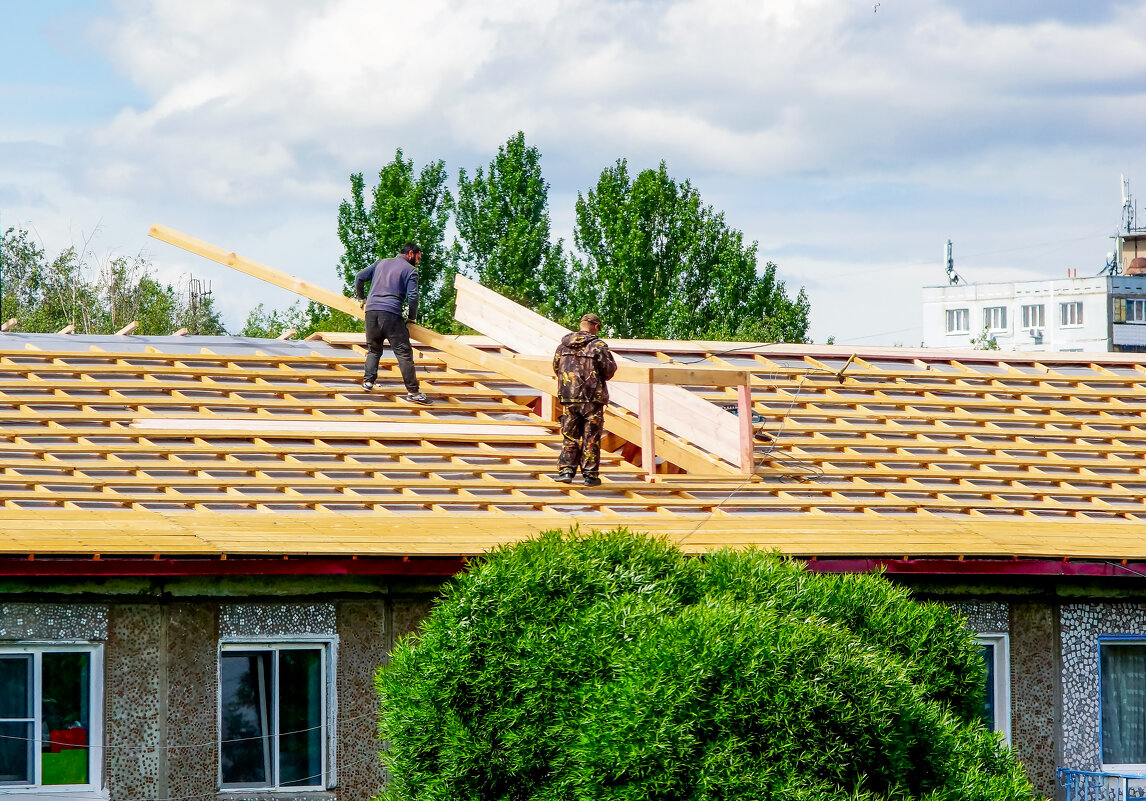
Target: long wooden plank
<point>525,331</point>
<point>63,531</point>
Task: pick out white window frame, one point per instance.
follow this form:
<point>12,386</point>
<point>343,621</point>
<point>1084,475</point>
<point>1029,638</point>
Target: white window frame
<point>1034,315</point>
<point>327,646</point>
<point>1136,311</point>
<point>995,314</point>
<point>37,649</point>
<point>957,316</point>
<point>1116,640</point>
<point>1001,650</point>
<point>1070,314</point>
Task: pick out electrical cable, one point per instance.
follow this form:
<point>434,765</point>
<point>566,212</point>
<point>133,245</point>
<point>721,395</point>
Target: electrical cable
<point>208,744</point>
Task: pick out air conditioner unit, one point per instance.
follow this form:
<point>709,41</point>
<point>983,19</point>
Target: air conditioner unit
<point>1036,335</point>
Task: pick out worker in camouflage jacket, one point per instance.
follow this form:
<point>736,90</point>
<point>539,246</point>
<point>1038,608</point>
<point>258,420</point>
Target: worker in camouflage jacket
<point>582,364</point>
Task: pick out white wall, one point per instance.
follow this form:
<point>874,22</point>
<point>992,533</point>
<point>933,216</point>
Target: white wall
<point>1092,292</point>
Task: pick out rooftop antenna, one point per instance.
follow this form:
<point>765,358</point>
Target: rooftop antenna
<point>953,278</point>
<point>1129,207</point>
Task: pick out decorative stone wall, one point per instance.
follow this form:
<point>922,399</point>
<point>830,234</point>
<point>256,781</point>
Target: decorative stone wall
<point>408,615</point>
<point>1081,625</point>
<point>133,668</point>
<point>362,647</point>
<point>1033,691</point>
<point>192,699</point>
<point>19,621</point>
<point>275,620</point>
<point>984,617</point>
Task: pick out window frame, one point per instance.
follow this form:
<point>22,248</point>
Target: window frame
<point>963,314</point>
<point>1114,639</point>
<point>1063,316</point>
<point>1030,310</point>
<point>1135,306</point>
<point>95,747</point>
<point>327,647</point>
<point>1000,642</point>
<point>995,311</point>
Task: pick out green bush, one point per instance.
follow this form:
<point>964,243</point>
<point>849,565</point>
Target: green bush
<point>612,666</point>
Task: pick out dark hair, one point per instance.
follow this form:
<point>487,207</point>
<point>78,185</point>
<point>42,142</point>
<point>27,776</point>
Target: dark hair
<point>409,249</point>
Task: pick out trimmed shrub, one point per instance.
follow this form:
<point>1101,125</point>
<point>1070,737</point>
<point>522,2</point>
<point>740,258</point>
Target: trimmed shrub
<point>612,666</point>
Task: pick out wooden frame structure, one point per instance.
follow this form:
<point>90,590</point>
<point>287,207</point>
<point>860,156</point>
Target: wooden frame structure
<point>180,447</point>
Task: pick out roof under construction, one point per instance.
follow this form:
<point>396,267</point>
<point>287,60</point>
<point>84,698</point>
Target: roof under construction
<point>169,447</point>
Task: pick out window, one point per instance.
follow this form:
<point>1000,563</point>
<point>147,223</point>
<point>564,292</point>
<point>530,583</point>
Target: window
<point>1135,311</point>
<point>1122,689</point>
<point>50,716</point>
<point>997,700</point>
<point>958,321</point>
<point>1033,316</point>
<point>995,318</point>
<point>273,725</point>
<point>1070,313</point>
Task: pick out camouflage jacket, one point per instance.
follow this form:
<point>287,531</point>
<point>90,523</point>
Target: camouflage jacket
<point>583,364</point>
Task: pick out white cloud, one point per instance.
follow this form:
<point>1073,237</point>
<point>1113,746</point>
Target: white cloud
<point>865,137</point>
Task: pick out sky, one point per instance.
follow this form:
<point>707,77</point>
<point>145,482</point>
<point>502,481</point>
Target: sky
<point>849,139</point>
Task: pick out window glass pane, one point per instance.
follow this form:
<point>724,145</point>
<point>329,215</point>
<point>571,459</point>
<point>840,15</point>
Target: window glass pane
<point>990,703</point>
<point>15,686</point>
<point>300,717</point>
<point>66,710</point>
<point>16,749</point>
<point>1123,704</point>
<point>245,751</point>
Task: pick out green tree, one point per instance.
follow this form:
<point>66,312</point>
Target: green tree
<point>47,295</point>
<point>305,320</point>
<point>502,217</point>
<point>660,263</point>
<point>404,206</point>
<point>612,666</point>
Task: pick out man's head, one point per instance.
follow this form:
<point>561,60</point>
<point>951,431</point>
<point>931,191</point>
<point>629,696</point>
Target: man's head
<point>590,323</point>
<point>411,253</point>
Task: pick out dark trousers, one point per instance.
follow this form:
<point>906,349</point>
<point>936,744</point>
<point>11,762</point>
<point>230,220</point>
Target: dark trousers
<point>581,427</point>
<point>383,327</point>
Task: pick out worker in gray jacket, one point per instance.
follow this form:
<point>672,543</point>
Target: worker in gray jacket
<point>392,281</point>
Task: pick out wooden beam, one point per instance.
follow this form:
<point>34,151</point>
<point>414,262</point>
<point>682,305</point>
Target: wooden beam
<point>287,334</point>
<point>128,329</point>
<point>8,326</point>
<point>678,410</point>
<point>648,431</point>
<point>182,332</point>
<point>67,329</point>
<point>637,373</point>
<point>256,270</point>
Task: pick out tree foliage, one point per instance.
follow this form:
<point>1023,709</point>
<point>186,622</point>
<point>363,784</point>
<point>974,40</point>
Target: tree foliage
<point>612,666</point>
<point>659,263</point>
<point>303,319</point>
<point>47,295</point>
<point>502,218</point>
<point>402,207</point>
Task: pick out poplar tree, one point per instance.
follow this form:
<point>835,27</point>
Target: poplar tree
<point>502,217</point>
<point>659,263</point>
<point>404,206</point>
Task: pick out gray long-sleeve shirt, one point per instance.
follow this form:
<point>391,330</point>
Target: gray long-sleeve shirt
<point>391,282</point>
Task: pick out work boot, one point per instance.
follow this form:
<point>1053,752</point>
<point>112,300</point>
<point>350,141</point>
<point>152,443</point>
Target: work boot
<point>565,475</point>
<point>592,480</point>
<point>420,398</point>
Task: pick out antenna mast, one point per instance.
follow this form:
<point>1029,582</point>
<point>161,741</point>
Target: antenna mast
<point>953,278</point>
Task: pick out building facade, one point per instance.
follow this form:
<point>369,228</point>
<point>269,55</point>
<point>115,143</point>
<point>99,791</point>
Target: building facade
<point>1093,314</point>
